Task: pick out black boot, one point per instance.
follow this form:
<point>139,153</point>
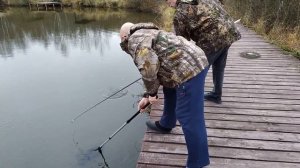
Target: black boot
<point>212,97</point>
<point>155,126</point>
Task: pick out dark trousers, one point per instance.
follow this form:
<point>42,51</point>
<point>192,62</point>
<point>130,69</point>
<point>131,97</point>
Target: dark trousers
<point>186,104</point>
<point>218,68</point>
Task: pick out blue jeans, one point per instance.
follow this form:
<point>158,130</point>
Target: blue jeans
<point>186,104</point>
<point>218,68</point>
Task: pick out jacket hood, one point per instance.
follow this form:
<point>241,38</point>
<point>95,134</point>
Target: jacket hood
<point>192,2</point>
<point>139,26</point>
<point>134,28</point>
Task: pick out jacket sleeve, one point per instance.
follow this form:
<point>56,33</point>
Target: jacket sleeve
<point>148,64</point>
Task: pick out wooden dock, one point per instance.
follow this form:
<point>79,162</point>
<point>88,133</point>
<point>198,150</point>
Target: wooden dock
<point>45,5</point>
<point>258,123</point>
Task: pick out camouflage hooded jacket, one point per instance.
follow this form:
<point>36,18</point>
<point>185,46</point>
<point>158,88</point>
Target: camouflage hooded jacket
<point>162,57</point>
<point>206,23</point>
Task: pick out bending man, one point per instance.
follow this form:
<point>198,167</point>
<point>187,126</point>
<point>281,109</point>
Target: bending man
<point>180,67</point>
<point>210,26</point>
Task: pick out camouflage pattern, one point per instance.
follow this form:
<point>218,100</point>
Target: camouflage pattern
<point>162,57</point>
<point>206,23</point>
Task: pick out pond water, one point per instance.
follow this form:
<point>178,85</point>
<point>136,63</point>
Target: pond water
<point>53,66</point>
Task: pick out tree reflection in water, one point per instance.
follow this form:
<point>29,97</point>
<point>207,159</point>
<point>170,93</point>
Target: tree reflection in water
<point>85,29</point>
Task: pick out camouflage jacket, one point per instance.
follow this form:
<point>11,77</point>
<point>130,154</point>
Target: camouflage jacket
<point>206,23</point>
<point>162,57</point>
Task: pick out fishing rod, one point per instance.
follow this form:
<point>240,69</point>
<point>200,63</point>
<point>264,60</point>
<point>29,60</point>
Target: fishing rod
<point>99,149</point>
<point>90,108</point>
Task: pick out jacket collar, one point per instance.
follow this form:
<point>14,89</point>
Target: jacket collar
<point>139,26</point>
<point>192,2</point>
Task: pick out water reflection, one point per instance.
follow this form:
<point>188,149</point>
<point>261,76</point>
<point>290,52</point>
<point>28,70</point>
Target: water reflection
<point>53,66</point>
<point>81,28</point>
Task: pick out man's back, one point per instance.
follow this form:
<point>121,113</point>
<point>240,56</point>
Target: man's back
<point>207,23</point>
<point>174,58</point>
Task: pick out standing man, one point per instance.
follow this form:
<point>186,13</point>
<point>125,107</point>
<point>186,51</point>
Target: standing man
<point>180,67</point>
<point>213,30</point>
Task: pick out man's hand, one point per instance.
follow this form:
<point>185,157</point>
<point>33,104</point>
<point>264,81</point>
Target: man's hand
<point>153,100</point>
<point>142,104</point>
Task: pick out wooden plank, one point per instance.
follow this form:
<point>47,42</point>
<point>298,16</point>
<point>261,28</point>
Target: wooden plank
<point>257,82</point>
<point>259,66</point>
<point>256,135</point>
<point>266,69</point>
<point>251,126</point>
<point>261,100</point>
<point>243,134</point>
<point>256,95</point>
<point>246,126</point>
<point>236,55</point>
<point>235,47</point>
<point>170,160</point>
<point>255,91</point>
<point>233,67</point>
<point>247,44</point>
<point>155,166</point>
<point>246,63</point>
<point>250,68</point>
<point>259,106</point>
<point>238,51</point>
<point>162,159</point>
<point>255,68</point>
<point>238,163</point>
<point>291,72</point>
<point>254,144</point>
<point>262,96</point>
<point>262,106</point>
<point>263,91</point>
<point>228,142</point>
<point>251,112</point>
<point>232,153</point>
<point>254,112</point>
<point>292,75</point>
<point>257,119</point>
<point>262,87</point>
<point>264,56</point>
<point>262,62</point>
<point>243,47</point>
<point>249,118</point>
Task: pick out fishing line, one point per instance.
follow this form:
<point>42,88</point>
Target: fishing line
<point>90,108</point>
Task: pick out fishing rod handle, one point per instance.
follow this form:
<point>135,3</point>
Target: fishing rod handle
<point>137,113</point>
